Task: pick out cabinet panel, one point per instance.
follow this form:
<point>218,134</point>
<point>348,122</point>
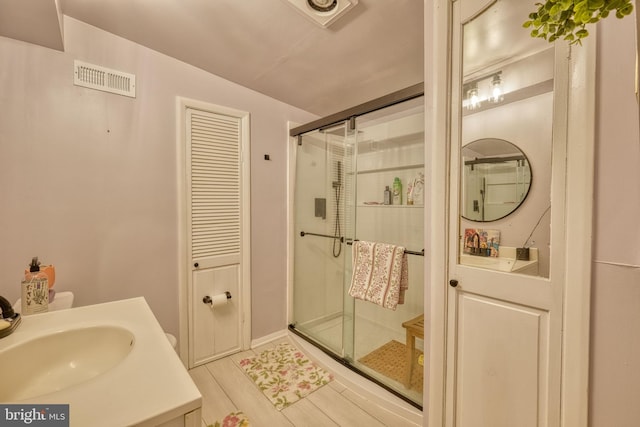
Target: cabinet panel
<point>502,357</point>
<point>216,330</point>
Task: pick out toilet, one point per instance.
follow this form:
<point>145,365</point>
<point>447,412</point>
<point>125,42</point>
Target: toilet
<point>64,300</point>
<point>172,340</point>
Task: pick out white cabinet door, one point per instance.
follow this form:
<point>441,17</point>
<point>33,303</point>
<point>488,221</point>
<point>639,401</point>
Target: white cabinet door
<point>217,231</point>
<point>504,330</point>
<point>505,351</point>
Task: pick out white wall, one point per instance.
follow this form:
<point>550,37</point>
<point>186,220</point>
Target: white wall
<point>615,310</point>
<point>88,179</point>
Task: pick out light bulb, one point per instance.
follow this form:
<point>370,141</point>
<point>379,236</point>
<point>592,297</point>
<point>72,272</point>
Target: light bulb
<point>473,98</point>
<point>496,89</point>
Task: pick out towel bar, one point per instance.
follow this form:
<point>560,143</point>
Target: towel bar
<point>350,241</point>
<point>305,233</point>
<point>419,253</point>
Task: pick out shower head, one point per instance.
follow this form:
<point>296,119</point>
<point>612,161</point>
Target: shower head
<point>338,182</point>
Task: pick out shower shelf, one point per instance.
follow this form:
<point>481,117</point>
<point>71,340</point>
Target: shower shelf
<point>362,205</point>
<point>391,168</point>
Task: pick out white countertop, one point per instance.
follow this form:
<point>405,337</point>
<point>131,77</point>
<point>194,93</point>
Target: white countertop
<point>506,262</point>
<point>148,387</point>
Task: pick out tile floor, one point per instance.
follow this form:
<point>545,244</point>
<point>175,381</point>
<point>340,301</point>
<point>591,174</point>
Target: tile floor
<point>226,388</point>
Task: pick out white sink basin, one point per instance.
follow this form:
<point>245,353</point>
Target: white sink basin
<point>110,362</point>
<point>503,263</point>
<point>500,264</point>
<point>60,360</point>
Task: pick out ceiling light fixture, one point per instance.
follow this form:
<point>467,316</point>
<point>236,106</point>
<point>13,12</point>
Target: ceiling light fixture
<point>323,5</point>
<point>323,12</point>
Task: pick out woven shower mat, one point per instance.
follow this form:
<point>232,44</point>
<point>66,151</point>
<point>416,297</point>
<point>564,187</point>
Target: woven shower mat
<point>390,360</point>
<point>284,374</point>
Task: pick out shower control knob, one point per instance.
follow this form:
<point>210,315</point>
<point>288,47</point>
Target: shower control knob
<point>453,283</point>
<point>196,265</point>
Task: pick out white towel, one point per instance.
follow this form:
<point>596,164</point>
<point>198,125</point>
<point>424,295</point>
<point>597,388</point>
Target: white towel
<point>380,273</point>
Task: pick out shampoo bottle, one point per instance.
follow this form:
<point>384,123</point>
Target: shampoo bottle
<point>387,196</point>
<point>35,290</point>
<point>397,191</point>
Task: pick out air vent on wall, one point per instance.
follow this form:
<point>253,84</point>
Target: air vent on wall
<point>104,79</point>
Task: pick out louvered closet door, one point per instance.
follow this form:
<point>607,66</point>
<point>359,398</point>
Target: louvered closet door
<point>215,218</point>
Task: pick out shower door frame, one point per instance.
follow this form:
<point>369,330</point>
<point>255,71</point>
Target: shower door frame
<point>295,134</point>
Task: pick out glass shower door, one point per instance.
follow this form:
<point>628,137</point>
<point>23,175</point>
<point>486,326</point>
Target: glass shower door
<point>341,175</point>
<point>390,148</point>
<point>323,186</point>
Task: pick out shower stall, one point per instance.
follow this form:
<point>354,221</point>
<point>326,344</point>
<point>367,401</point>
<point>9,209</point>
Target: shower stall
<point>343,166</point>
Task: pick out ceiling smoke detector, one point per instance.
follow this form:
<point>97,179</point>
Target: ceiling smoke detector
<point>323,12</point>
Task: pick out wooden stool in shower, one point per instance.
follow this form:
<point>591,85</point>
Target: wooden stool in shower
<point>415,329</point>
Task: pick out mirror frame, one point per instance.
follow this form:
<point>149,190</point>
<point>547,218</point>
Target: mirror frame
<point>463,182</point>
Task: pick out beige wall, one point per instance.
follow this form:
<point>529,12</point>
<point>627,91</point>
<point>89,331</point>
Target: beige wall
<point>88,179</point>
<point>615,312</point>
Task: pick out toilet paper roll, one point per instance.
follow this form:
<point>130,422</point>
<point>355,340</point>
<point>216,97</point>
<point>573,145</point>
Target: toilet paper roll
<point>219,300</point>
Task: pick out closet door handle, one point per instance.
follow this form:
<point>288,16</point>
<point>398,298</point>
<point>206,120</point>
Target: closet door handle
<point>453,283</point>
<point>196,265</point>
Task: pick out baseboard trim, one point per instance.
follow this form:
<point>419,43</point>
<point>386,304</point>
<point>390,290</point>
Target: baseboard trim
<point>269,338</point>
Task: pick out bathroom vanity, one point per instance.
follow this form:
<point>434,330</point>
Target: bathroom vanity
<point>506,262</point>
<point>111,363</point>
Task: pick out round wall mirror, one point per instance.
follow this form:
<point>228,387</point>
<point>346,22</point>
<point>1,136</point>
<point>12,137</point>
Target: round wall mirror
<point>496,178</point>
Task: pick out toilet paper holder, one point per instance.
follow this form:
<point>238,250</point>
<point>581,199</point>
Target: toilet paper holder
<point>207,299</point>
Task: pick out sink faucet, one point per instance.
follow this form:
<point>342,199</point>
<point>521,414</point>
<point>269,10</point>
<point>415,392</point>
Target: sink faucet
<point>9,320</point>
<point>476,243</point>
<point>7,309</point>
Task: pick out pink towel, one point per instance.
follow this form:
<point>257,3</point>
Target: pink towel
<point>380,273</point>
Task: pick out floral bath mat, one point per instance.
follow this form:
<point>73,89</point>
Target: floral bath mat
<point>234,419</point>
<point>284,374</point>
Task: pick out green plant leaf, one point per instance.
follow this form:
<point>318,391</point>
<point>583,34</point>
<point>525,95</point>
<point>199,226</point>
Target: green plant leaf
<point>567,18</point>
<point>582,33</point>
<point>595,4</point>
<point>626,9</point>
<point>566,4</point>
<point>580,6</point>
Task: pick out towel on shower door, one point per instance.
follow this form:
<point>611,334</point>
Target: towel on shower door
<point>380,273</point>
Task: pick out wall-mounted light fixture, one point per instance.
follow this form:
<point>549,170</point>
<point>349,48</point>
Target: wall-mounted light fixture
<point>496,88</point>
<point>486,88</point>
<point>473,100</point>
